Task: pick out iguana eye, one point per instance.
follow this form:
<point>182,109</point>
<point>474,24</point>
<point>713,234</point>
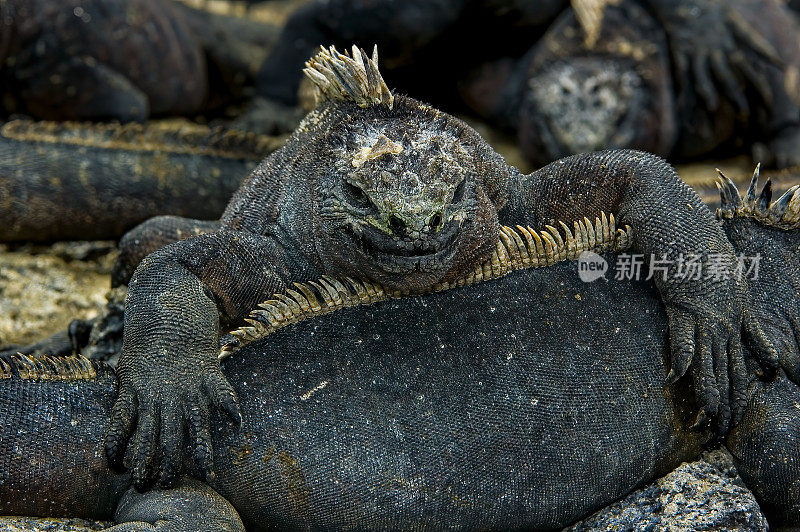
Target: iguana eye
<point>458,194</point>
<point>355,196</point>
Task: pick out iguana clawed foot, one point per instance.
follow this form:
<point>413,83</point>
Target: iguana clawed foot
<point>711,346</point>
<point>155,420</point>
<point>708,39</point>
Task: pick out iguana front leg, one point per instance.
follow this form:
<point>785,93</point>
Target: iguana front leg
<point>178,300</point>
<point>151,235</point>
<point>709,316</point>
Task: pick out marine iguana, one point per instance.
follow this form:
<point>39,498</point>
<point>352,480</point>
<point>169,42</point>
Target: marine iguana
<point>96,181</point>
<point>641,74</point>
<point>626,88</point>
<point>381,187</point>
<point>370,411</point>
<point>122,59</point>
<point>764,444</point>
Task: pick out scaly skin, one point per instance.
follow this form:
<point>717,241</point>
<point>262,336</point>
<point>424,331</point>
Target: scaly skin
<point>116,176</point>
<point>491,430</point>
<point>123,59</point>
<point>389,415</point>
<point>406,196</point>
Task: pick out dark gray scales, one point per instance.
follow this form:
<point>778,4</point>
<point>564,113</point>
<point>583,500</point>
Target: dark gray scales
<point>380,187</point>
<point>350,419</point>
<point>388,414</point>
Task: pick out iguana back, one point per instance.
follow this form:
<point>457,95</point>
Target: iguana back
<point>396,415</point>
<point>470,407</point>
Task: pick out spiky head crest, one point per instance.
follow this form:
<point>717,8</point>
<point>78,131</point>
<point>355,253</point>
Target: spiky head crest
<point>342,77</point>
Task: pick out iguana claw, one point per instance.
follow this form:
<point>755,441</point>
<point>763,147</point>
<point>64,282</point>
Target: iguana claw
<point>711,348</point>
<point>157,421</point>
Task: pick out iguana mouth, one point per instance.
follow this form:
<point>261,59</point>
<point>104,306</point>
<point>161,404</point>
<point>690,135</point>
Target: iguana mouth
<point>406,251</point>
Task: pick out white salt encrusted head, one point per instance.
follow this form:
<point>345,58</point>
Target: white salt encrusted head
<point>339,76</point>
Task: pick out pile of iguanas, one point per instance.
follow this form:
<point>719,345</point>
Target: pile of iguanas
<point>367,244</point>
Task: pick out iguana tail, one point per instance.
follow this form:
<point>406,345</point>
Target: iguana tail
<point>61,181</point>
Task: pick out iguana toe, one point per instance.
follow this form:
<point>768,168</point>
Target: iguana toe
<point>706,387</point>
<point>200,438</point>
<point>120,428</point>
<point>224,398</point>
<point>739,380</point>
<point>760,346</point>
<point>144,448</point>
<point>681,337</point>
<point>171,439</point>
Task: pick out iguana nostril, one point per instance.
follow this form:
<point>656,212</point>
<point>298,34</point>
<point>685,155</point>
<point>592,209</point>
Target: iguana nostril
<point>436,221</point>
<point>397,225</point>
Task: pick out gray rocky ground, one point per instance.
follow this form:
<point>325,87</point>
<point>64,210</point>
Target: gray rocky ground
<point>703,495</point>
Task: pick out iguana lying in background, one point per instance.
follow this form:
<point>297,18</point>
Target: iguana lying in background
<point>627,87</point>
<point>380,187</point>
<point>123,59</point>
<point>96,181</point>
<point>366,411</point>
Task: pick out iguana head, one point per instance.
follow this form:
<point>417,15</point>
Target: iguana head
<point>582,105</point>
<point>585,87</point>
<point>403,197</point>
